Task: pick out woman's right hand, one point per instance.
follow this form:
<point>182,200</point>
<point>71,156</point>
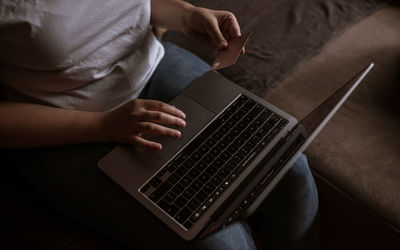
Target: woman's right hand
<point>129,122</point>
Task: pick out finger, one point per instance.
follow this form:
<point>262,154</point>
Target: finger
<point>156,129</point>
<point>163,107</point>
<point>234,28</point>
<point>146,143</point>
<point>163,118</point>
<point>215,33</point>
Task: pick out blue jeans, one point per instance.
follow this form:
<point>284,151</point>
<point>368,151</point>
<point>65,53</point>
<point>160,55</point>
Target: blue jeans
<point>285,219</point>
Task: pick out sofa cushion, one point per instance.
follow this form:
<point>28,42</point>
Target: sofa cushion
<point>358,153</point>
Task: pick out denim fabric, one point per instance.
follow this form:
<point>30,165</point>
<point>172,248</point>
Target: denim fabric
<point>286,217</point>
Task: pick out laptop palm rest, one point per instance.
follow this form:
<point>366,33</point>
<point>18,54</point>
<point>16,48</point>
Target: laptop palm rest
<point>197,116</point>
<point>130,166</point>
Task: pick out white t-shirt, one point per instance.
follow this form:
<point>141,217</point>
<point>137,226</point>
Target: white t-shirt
<point>92,55</point>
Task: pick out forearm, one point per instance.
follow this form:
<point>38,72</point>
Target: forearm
<point>32,125</point>
<point>169,13</point>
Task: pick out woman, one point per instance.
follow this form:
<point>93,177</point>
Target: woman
<point>90,71</point>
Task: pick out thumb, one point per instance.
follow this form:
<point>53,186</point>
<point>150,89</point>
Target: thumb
<point>215,33</point>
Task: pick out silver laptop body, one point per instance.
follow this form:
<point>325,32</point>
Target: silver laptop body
<point>150,177</point>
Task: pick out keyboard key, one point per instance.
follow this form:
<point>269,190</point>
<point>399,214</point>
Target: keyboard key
<point>181,171</point>
<point>183,215</point>
<point>273,119</point>
<point>209,188</point>
<point>211,170</point>
<point>230,165</point>
<point>196,185</point>
<point>247,119</point>
<point>188,224</point>
<point>164,205</point>
<point>218,162</point>
<point>189,163</point>
<point>174,178</point>
<point>236,131</point>
<point>159,192</point>
<point>186,180</point>
<point>243,152</point>
<point>194,173</point>
<point>233,148</point>
<point>222,145</point>
<point>178,189</point>
<point>239,142</point>
<point>211,142</point>
<point>208,158</point>
<point>251,129</point>
<point>170,197</point>
<point>161,172</point>
<point>216,180</point>
<point>243,111</point>
<point>204,177</point>
<point>230,123</point>
<point>223,172</point>
<point>215,151</point>
<point>237,117</point>
<point>171,167</point>
<point>264,115</point>
<point>251,144</point>
<point>283,122</point>
<point>201,196</point>
<point>181,158</point>
<point>204,149</point>
<point>217,136</point>
<point>180,201</point>
<point>255,139</point>
<point>193,204</point>
<point>195,216</point>
<point>145,188</point>
<point>196,156</point>
<point>226,155</point>
<point>188,194</point>
<point>237,158</point>
<point>200,166</point>
<point>258,122</point>
<point>249,104</point>
<point>172,210</point>
<point>155,182</point>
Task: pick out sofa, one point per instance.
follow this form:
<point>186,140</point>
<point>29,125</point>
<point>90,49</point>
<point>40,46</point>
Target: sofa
<point>309,50</point>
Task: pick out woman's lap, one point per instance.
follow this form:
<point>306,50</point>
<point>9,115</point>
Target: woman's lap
<point>79,190</point>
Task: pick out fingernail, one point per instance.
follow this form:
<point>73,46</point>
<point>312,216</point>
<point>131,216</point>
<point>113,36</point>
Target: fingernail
<point>183,123</point>
<point>177,134</point>
<point>183,115</point>
<point>223,44</point>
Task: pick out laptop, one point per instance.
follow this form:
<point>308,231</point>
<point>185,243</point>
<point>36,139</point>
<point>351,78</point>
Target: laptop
<point>233,151</point>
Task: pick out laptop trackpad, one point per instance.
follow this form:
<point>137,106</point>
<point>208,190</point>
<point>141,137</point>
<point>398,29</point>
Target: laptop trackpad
<point>197,116</point>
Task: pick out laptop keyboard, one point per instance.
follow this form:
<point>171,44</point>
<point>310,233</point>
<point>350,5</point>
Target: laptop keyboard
<point>194,179</point>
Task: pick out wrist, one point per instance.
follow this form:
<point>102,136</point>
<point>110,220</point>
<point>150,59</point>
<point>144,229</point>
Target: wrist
<point>100,132</point>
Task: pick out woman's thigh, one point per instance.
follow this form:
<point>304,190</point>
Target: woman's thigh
<point>288,218</point>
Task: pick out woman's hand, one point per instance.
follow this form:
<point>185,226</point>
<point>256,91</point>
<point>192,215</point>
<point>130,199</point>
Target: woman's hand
<point>215,28</point>
<point>128,123</point>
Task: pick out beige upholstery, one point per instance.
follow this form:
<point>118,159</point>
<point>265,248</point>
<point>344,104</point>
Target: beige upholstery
<point>358,153</point>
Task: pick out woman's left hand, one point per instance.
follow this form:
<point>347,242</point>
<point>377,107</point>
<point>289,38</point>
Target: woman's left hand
<point>213,27</point>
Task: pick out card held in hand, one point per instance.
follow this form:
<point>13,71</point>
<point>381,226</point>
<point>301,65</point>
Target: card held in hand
<point>228,56</point>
